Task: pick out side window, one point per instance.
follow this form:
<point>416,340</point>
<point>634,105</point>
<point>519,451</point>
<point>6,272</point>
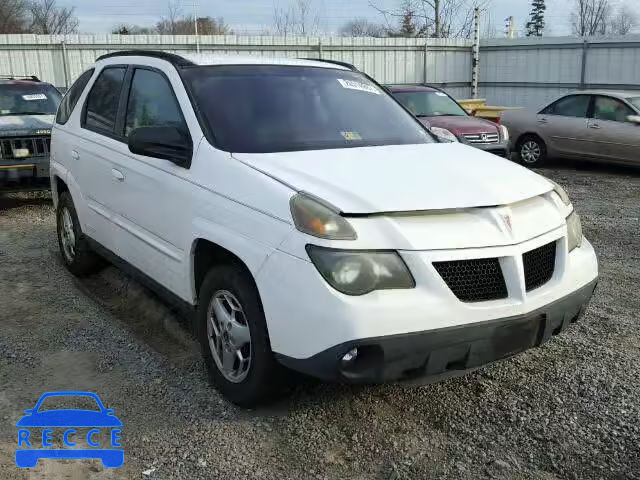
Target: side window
<point>571,106</point>
<point>152,102</point>
<point>71,98</point>
<point>102,101</point>
<point>607,108</point>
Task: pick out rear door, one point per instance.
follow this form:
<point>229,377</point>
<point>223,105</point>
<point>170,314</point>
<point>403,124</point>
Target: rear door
<point>564,125</point>
<point>93,152</point>
<point>611,134</point>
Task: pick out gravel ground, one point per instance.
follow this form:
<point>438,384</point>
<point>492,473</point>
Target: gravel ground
<point>570,409</point>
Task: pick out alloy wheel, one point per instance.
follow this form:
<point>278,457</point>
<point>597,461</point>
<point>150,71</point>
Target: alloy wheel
<point>229,336</point>
<point>68,235</point>
<point>530,152</point>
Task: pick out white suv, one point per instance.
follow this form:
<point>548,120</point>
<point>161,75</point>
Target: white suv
<point>309,221</point>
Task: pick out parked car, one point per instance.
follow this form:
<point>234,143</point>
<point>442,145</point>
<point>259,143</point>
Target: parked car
<point>309,221</point>
<point>27,108</point>
<point>586,125</point>
<point>449,121</point>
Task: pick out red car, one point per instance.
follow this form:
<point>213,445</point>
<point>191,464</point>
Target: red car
<point>447,120</point>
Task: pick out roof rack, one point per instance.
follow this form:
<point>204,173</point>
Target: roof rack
<point>33,78</point>
<point>172,58</point>
<point>335,62</point>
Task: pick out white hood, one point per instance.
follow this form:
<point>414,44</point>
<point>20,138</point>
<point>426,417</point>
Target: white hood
<point>402,178</point>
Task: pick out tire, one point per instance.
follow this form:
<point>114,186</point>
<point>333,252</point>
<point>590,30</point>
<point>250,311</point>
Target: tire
<point>532,151</point>
<point>245,383</point>
<point>74,246</point>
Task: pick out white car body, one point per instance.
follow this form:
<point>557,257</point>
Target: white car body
<point>430,203</point>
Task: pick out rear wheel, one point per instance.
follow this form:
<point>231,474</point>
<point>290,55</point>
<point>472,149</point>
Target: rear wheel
<point>74,246</point>
<point>532,151</point>
<point>233,336</point>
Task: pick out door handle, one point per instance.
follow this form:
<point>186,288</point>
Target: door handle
<point>543,121</point>
<point>75,155</point>
<point>117,174</point>
<point>595,125</point>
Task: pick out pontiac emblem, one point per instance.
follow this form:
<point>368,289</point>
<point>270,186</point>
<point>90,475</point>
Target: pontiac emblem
<point>507,222</point>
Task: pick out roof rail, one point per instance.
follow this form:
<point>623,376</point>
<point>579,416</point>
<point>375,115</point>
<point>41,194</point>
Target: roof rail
<point>33,78</point>
<point>335,62</point>
<point>172,58</point>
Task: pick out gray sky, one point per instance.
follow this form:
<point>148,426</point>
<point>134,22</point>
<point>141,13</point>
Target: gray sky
<point>253,16</point>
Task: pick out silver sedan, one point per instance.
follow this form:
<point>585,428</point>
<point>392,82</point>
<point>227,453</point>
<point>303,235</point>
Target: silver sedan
<point>585,125</point>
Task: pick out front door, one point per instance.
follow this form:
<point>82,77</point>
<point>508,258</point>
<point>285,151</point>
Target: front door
<point>611,134</point>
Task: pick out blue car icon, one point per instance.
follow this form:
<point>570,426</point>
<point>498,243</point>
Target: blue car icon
<point>28,452</point>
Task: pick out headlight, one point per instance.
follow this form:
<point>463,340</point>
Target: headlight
<point>359,272</point>
<point>444,134</point>
<point>504,133</point>
<point>574,229</point>
<point>315,218</point>
<point>561,193</point>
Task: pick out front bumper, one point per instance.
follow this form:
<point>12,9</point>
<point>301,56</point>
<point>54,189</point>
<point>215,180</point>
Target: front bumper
<point>25,172</point>
<point>501,149</point>
<point>427,356</point>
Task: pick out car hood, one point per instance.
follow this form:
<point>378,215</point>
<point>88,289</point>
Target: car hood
<point>69,418</point>
<point>16,125</point>
<point>461,125</point>
<point>402,177</point>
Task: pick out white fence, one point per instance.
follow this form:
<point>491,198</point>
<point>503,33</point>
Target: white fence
<point>521,72</point>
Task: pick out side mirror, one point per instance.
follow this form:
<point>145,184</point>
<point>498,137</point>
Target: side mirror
<point>109,411</point>
<point>29,410</point>
<point>634,119</point>
<point>168,143</point>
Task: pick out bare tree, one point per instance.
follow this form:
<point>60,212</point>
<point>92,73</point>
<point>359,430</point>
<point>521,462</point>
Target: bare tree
<point>436,18</point>
<point>590,17</point>
<point>623,21</point>
<point>48,18</point>
<point>13,16</point>
<point>299,18</point>
<point>361,27</point>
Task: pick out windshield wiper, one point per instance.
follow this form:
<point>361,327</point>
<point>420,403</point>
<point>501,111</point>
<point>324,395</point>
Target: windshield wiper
<point>32,113</point>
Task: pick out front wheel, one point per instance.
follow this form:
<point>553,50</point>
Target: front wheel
<point>233,335</point>
<point>532,151</point>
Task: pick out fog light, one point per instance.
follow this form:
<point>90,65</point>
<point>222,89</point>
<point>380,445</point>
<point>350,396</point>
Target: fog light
<point>350,356</point>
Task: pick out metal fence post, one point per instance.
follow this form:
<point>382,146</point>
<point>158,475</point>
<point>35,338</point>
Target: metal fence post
<point>426,56</point>
<point>320,49</point>
<point>64,65</point>
<point>475,61</point>
<point>583,68</point>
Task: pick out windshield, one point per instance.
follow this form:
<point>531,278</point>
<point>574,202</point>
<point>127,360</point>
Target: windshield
<point>635,101</point>
<point>28,98</point>
<point>267,108</point>
<point>430,104</point>
<point>62,402</point>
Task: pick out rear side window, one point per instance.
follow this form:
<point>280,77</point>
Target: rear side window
<point>152,103</point>
<point>71,98</point>
<point>572,106</point>
<point>102,101</point>
<point>607,108</point>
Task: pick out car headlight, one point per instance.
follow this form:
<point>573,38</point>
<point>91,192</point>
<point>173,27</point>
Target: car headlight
<point>314,217</point>
<point>561,193</point>
<point>355,272</point>
<point>444,134</point>
<point>574,229</point>
<point>504,133</point>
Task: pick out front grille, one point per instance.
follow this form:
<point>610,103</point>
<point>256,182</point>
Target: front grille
<point>37,147</point>
<point>539,265</point>
<point>476,280</point>
<point>482,138</point>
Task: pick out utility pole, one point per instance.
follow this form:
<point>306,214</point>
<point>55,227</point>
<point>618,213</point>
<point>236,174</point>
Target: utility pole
<point>510,28</point>
<point>195,23</point>
<point>476,53</point>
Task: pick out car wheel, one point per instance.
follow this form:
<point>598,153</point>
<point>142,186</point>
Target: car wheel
<point>233,334</point>
<point>74,247</point>
<point>532,151</point>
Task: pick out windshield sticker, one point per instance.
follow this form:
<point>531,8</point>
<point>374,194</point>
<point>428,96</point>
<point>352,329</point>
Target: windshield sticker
<point>440,94</point>
<point>351,136</point>
<point>35,96</point>
<point>353,85</point>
